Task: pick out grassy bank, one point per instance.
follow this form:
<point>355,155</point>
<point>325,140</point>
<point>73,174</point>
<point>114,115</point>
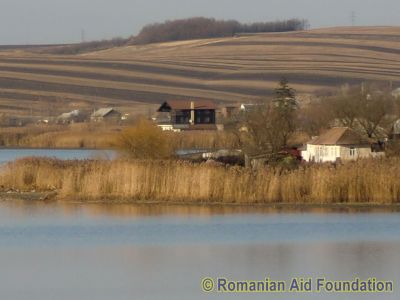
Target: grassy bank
<point>179,182</point>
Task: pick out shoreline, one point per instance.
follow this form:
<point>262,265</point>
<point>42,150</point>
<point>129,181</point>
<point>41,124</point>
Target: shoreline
<point>52,196</point>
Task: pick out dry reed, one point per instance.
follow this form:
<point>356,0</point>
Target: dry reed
<point>205,140</point>
<point>366,181</point>
<point>103,136</point>
<point>83,135</point>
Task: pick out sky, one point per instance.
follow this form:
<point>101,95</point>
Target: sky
<point>63,21</point>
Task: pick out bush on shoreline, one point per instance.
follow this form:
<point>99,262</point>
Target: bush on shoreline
<point>144,140</point>
<point>362,182</point>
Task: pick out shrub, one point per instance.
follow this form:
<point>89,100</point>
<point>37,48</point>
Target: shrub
<point>144,141</point>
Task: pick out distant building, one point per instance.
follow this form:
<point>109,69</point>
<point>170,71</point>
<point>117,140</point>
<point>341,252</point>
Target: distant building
<point>396,93</point>
<point>250,107</point>
<point>337,144</point>
<point>74,116</point>
<point>180,115</point>
<point>109,115</point>
<point>228,111</point>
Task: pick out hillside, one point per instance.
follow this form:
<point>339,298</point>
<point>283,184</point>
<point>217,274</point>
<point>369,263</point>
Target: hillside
<point>226,69</point>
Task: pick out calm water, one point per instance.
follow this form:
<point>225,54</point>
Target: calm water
<point>77,251</point>
<point>7,155</point>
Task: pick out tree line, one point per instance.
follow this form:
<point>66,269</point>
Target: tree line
<point>200,28</point>
<point>84,47</point>
<point>183,29</point>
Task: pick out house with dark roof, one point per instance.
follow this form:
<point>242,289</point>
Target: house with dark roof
<point>337,144</point>
<point>180,115</point>
<point>106,115</point>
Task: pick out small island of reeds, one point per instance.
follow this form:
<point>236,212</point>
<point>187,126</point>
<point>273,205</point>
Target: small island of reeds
<point>168,181</point>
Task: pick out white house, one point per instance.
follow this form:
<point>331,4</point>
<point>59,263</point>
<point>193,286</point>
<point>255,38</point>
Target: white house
<point>337,144</point>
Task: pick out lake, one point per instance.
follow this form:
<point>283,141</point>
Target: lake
<point>7,155</point>
<point>98,251</point>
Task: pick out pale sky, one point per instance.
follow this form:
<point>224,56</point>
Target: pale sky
<point>62,21</point>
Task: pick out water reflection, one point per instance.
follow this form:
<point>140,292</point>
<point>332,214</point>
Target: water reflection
<point>97,251</point>
<point>175,272</point>
<point>153,210</point>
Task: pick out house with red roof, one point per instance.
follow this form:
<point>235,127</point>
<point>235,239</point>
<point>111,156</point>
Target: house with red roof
<point>178,115</point>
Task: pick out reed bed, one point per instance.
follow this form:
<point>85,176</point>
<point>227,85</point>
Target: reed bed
<point>362,182</point>
<point>82,135</point>
<point>204,140</point>
<point>103,136</point>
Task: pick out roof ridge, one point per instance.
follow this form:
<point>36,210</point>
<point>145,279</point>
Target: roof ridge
<point>339,136</point>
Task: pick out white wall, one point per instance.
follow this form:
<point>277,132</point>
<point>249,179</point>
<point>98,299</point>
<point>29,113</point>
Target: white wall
<point>331,153</point>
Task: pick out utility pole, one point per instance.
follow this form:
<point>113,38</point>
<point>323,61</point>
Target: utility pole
<point>353,18</point>
<point>83,36</point>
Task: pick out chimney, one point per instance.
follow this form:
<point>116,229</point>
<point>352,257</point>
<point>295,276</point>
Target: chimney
<point>192,113</point>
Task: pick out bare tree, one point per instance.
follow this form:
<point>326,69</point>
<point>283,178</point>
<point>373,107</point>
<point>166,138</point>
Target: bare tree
<point>375,113</point>
<point>315,116</point>
<point>270,125</point>
<point>345,107</point>
<point>366,107</point>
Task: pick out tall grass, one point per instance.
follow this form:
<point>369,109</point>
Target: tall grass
<point>366,181</point>
<point>205,140</point>
<point>84,135</point>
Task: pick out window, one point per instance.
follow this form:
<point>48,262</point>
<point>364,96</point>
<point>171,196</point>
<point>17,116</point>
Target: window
<point>353,151</point>
<point>205,116</point>
<point>182,116</point>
